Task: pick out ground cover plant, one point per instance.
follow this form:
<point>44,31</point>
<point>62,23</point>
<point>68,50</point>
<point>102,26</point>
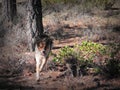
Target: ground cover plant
<point>87,50</point>
<point>86,57</point>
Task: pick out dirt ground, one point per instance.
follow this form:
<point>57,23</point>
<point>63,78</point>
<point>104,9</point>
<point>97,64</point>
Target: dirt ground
<point>55,79</point>
<point>51,80</point>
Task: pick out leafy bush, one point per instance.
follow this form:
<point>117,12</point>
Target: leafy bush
<point>90,50</point>
<point>85,51</point>
<point>81,55</point>
<point>64,53</point>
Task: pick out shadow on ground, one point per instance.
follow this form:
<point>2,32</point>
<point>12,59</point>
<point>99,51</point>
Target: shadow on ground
<point>9,83</point>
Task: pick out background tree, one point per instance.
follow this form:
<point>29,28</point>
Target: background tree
<point>34,21</point>
<point>9,9</point>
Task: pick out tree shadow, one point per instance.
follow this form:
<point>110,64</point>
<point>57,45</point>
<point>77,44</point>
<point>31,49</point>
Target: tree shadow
<point>66,33</point>
<point>104,87</point>
<point>116,29</point>
<point>6,83</point>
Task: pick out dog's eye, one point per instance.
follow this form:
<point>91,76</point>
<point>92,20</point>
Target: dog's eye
<point>42,45</point>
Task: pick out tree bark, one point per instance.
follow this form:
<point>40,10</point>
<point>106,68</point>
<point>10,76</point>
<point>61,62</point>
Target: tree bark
<point>34,22</point>
<point>37,7</point>
<point>9,9</point>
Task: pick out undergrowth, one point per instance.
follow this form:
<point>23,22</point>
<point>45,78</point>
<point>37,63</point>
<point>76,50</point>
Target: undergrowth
<point>89,55</point>
<point>86,51</point>
<point>112,67</point>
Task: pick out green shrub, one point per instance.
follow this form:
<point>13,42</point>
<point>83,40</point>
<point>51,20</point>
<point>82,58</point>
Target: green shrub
<point>84,53</point>
<point>90,50</point>
<point>64,53</point>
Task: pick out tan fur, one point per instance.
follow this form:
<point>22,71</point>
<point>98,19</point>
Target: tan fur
<point>42,50</point>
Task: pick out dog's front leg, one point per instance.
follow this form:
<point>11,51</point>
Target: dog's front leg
<point>37,68</point>
<point>43,62</point>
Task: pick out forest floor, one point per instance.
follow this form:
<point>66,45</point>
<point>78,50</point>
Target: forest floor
<point>50,81</point>
<point>54,79</point>
<point>66,30</point>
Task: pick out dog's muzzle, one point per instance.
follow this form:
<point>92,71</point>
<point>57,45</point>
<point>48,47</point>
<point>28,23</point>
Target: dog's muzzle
<point>43,53</point>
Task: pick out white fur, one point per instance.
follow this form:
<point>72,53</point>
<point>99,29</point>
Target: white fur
<point>40,61</point>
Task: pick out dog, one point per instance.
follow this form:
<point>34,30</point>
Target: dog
<point>43,48</point>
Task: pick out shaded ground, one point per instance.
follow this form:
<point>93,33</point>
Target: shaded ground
<point>50,81</point>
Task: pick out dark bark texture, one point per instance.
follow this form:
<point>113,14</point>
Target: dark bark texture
<point>34,22</point>
<point>9,9</point>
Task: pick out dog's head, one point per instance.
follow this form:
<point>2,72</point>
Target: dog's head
<point>44,45</point>
<point>41,47</point>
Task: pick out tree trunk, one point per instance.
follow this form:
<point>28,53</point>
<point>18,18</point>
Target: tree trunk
<point>9,9</point>
<point>37,7</point>
<point>34,22</point>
